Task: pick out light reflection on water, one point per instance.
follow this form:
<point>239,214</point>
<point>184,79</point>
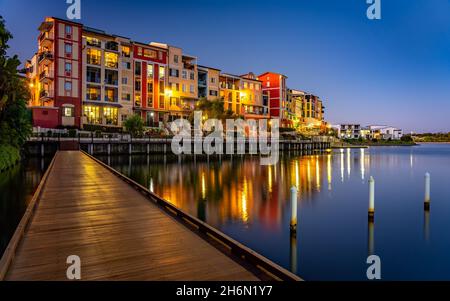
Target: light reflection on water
<point>250,203</point>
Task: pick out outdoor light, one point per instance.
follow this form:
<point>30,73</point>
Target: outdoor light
<point>169,93</point>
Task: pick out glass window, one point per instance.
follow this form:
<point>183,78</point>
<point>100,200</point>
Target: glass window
<point>111,45</point>
<point>162,101</point>
<point>68,86</point>
<point>93,92</point>
<point>93,74</point>
<point>111,115</point>
<point>111,60</point>
<point>184,74</point>
<point>149,71</point>
<point>126,96</point>
<point>137,100</point>
<point>126,65</point>
<point>192,89</point>
<point>137,68</point>
<point>93,56</point>
<point>68,67</point>
<point>111,94</point>
<point>148,53</point>
<point>68,48</point>
<point>150,101</point>
<point>68,29</point>
<point>92,114</point>
<point>124,81</point>
<point>93,42</point>
<point>111,77</point>
<point>213,80</point>
<point>68,112</point>
<point>175,59</point>
<point>192,76</point>
<point>137,85</point>
<point>126,51</point>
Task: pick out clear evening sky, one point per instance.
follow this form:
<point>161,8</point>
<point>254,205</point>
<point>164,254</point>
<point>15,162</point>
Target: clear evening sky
<point>394,71</point>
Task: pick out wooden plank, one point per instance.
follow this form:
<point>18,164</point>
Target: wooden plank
<point>85,210</point>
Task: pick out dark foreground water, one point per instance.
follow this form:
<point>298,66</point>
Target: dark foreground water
<point>17,186</point>
<point>250,203</point>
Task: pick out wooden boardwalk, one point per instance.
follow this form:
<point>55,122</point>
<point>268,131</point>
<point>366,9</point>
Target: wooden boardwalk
<point>85,210</point>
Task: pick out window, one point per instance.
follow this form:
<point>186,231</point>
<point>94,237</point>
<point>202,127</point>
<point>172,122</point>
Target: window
<point>212,92</point>
<point>93,56</point>
<point>137,100</point>
<point>192,76</point>
<point>175,59</point>
<point>124,80</point>
<point>268,85</point>
<point>111,115</point>
<point>68,86</point>
<point>111,60</point>
<point>126,51</point>
<point>126,65</point>
<point>245,85</point>
<point>184,74</point>
<point>92,114</point>
<point>111,77</point>
<point>183,88</point>
<point>175,86</point>
<point>213,80</point>
<point>126,96</point>
<point>160,55</point>
<point>111,45</point>
<point>251,86</point>
<point>137,68</point>
<point>140,51</point>
<point>149,87</point>
<point>148,53</point>
<point>93,42</point>
<point>162,100</point>
<point>68,67</point>
<point>68,30</point>
<point>174,72</point>
<point>257,87</point>
<point>123,117</point>
<point>150,101</point>
<point>137,85</point>
<point>111,94</point>
<point>150,71</point>
<point>68,112</point>
<point>192,89</point>
<point>93,93</point>
<point>68,48</point>
<point>162,74</point>
<point>93,75</point>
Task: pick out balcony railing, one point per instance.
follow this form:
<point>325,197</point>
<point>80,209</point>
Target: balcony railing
<point>46,74</point>
<point>46,94</point>
<point>45,55</point>
<point>47,35</point>
<point>202,83</point>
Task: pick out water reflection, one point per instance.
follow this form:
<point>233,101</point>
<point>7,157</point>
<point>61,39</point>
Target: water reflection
<point>250,203</point>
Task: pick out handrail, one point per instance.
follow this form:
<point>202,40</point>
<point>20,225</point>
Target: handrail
<point>265,265</point>
<point>13,244</point>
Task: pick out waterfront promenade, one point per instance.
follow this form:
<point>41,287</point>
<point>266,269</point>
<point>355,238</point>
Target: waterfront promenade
<point>84,209</point>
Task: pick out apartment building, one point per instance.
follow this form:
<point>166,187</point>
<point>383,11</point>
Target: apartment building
<point>274,87</point>
<point>55,75</point>
<point>295,104</point>
<point>243,95</point>
<point>208,82</point>
<point>313,110</point>
<point>348,131</point>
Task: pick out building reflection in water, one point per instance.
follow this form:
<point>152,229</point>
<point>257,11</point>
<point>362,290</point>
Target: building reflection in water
<point>371,238</point>
<point>342,165</point>
<point>232,190</point>
<point>363,162</point>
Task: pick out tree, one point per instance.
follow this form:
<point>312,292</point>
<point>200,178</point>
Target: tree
<point>15,121</point>
<point>213,109</point>
<point>134,125</point>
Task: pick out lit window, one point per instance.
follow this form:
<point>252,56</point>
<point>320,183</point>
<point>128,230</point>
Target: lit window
<point>126,51</point>
<point>111,115</point>
<point>93,56</point>
<point>162,72</point>
<point>149,71</point>
<point>111,60</point>
<point>68,112</point>
<point>93,42</point>
<point>92,114</point>
<point>150,53</point>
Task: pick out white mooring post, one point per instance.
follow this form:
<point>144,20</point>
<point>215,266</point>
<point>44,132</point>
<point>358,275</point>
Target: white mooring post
<point>371,198</point>
<point>294,210</point>
<point>427,191</point>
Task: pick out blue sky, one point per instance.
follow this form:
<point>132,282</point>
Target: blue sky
<point>392,71</point>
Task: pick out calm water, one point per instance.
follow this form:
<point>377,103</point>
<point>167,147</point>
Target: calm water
<point>250,203</point>
<point>17,186</point>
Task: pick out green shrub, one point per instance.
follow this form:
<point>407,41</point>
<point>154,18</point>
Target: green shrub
<point>8,156</point>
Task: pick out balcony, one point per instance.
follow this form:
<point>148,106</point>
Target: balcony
<point>45,57</point>
<point>46,39</point>
<point>46,76</point>
<point>202,83</point>
<point>46,95</point>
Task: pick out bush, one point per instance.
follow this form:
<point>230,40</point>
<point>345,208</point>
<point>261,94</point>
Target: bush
<point>8,156</point>
<point>72,133</point>
<point>407,138</point>
<point>134,125</point>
